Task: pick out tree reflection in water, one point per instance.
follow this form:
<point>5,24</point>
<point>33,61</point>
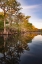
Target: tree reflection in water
<point>12,46</point>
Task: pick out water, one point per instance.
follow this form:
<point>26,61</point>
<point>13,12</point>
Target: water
<point>21,49</point>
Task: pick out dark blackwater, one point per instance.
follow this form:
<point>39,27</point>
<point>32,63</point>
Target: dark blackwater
<point>21,49</point>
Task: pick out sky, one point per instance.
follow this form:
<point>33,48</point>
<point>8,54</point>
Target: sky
<point>33,8</point>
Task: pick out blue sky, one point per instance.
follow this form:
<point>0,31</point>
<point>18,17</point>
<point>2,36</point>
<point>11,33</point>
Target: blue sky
<point>34,9</point>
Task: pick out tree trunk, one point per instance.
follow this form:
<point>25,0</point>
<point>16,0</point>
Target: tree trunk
<point>4,27</point>
<point>4,22</point>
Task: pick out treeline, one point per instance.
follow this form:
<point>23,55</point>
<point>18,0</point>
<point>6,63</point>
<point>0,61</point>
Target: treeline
<point>12,18</point>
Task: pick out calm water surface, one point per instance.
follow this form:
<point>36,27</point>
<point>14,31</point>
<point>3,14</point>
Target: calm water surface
<point>21,49</point>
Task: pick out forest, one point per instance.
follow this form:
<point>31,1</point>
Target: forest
<point>12,20</point>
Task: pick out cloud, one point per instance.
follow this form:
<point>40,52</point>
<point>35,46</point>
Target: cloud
<point>32,9</point>
<point>36,22</point>
<point>32,6</point>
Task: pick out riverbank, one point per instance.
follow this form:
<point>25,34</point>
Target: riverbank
<point>9,32</point>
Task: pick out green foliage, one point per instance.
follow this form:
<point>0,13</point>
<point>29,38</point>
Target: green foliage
<point>1,25</point>
<point>7,22</point>
<point>1,16</point>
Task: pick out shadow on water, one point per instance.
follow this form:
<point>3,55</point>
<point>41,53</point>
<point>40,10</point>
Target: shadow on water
<point>12,46</point>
